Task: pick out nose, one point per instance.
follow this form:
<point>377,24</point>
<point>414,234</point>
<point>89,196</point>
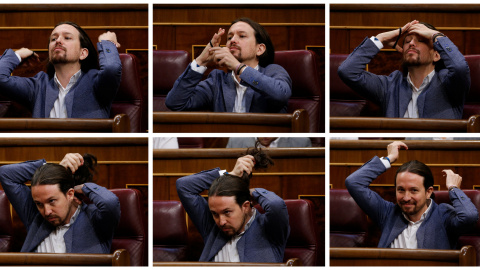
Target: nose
<point>223,221</point>
<point>48,210</point>
<point>413,43</point>
<point>407,196</point>
<point>233,39</point>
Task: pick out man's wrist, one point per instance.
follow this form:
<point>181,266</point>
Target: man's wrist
<point>452,187</point>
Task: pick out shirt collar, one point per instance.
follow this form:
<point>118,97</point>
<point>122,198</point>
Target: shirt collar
<point>72,81</point>
<point>424,84</point>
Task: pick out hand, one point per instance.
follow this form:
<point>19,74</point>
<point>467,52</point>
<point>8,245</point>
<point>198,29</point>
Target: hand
<point>453,179</point>
<point>25,53</point>
<point>223,57</point>
<point>110,36</point>
<point>72,161</point>
<point>393,150</point>
<point>423,31</point>
<point>388,38</point>
<point>206,56</point>
<point>244,164</point>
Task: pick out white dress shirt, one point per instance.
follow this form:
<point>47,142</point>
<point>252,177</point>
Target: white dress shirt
<point>55,243</point>
<point>59,109</point>
<point>412,108</point>
<point>239,100</point>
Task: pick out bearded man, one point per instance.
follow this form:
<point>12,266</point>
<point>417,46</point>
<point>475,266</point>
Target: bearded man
<point>435,78</point>
<point>79,83</point>
<point>253,83</point>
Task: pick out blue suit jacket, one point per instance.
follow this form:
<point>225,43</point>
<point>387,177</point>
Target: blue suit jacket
<point>90,97</point>
<point>439,230</point>
<point>92,231</point>
<point>443,98</point>
<point>263,241</point>
<point>268,91</point>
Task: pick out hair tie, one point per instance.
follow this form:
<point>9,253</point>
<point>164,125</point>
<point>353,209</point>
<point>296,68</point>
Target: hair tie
<point>399,34</point>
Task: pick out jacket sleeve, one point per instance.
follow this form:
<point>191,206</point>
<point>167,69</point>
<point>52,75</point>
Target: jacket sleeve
<point>106,214</point>
<point>21,89</point>
<point>464,214</point>
<point>108,79</point>
<point>190,93</point>
<point>352,72</point>
<point>277,223</point>
<point>13,178</point>
<point>189,189</point>
<point>369,201</point>
<point>456,77</point>
<point>274,84</point>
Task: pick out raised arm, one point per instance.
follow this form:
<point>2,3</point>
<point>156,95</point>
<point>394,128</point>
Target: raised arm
<point>107,81</point>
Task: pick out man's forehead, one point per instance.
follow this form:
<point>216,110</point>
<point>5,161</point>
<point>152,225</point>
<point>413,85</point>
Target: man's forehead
<point>220,203</point>
<point>65,29</point>
<point>240,27</point>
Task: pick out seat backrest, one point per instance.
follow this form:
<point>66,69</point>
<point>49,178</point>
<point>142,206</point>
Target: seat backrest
<point>303,240</point>
<point>467,237</point>
<point>308,87</point>
<point>168,65</point>
<point>472,103</point>
<point>170,235</point>
<point>348,223</point>
<point>129,99</point>
<point>189,142</point>
<point>6,225</point>
<point>343,100</point>
<point>131,233</point>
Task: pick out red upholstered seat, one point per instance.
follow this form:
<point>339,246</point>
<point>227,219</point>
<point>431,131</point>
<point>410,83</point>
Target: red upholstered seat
<point>6,227</point>
<point>131,233</point>
<point>472,103</point>
<point>343,100</point>
<point>129,99</point>
<point>167,67</point>
<point>303,240</point>
<point>308,85</point>
<point>348,223</point>
<point>170,236</point>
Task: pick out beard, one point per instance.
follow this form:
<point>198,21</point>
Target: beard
<point>232,231</point>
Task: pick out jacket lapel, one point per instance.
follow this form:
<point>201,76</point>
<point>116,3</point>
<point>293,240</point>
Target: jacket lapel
<point>229,93</point>
<point>398,227</point>
<point>43,232</point>
<point>217,245</point>
<point>405,96</point>
<point>50,97</point>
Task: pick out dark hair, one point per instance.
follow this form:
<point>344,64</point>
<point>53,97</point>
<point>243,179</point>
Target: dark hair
<point>261,36</point>
<point>439,65</point>
<point>90,62</point>
<point>52,174</point>
<point>419,168</point>
<point>231,185</point>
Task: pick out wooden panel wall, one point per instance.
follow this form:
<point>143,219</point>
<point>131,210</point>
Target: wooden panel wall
<point>31,25</point>
<point>460,156</point>
<point>351,23</point>
<point>297,171</point>
<point>291,27</point>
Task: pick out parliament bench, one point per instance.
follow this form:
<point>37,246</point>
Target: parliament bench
<point>290,262</point>
<point>118,258</point>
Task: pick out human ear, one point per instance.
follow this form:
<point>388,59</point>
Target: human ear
<point>261,49</point>
<point>83,53</point>
<point>429,192</point>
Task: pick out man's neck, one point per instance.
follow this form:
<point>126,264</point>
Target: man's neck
<point>419,73</point>
<point>65,72</point>
<point>248,216</point>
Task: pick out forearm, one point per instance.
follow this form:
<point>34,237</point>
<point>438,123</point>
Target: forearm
<point>108,79</point>
<point>277,222</point>
<point>466,214</point>
<point>275,84</point>
<point>107,213</point>
<point>190,93</point>
<point>17,88</point>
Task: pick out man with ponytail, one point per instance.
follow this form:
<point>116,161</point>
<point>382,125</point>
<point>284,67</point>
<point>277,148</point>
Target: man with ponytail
<point>232,229</point>
<point>415,221</point>
<point>56,219</point>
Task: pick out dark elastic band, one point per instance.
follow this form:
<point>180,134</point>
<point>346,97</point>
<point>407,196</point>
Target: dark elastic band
<point>395,45</point>
<point>211,45</point>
